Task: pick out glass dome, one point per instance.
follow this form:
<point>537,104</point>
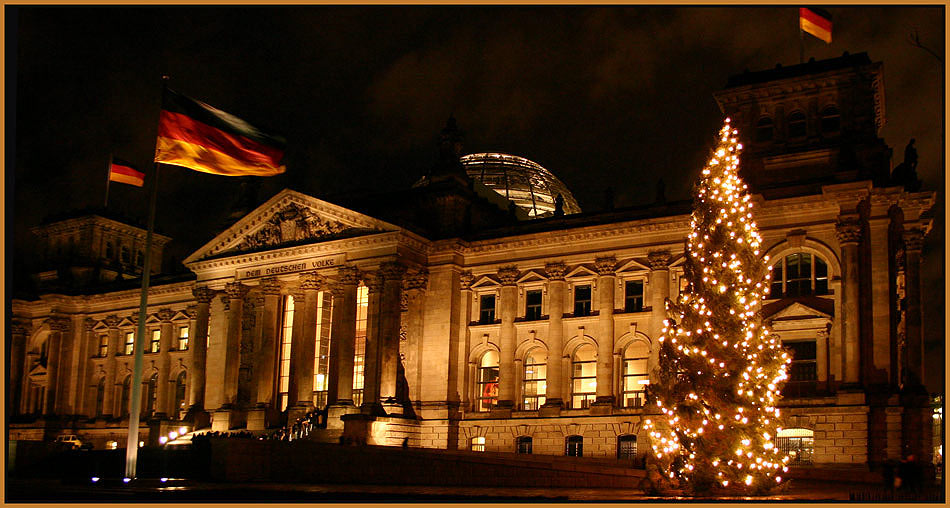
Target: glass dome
<point>524,182</point>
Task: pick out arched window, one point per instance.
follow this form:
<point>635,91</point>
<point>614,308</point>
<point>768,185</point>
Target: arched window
<point>487,382</point>
<point>799,274</point>
<point>359,349</point>
<point>797,443</point>
<point>764,130</point>
<point>180,383</point>
<point>627,447</point>
<point>797,126</point>
<point>478,444</point>
<point>523,444</point>
<point>100,395</point>
<point>574,446</point>
<point>535,371</point>
<point>583,377</point>
<point>152,394</point>
<point>635,374</point>
<point>830,120</point>
<point>126,394</point>
<point>283,364</point>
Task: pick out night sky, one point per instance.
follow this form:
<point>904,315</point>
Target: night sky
<point>600,96</point>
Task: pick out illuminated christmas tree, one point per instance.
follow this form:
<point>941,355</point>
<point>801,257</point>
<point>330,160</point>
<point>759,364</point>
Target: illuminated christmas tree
<point>720,371</point>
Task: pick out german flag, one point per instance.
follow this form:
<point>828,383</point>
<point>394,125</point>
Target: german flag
<point>123,172</point>
<point>816,22</point>
<point>197,136</point>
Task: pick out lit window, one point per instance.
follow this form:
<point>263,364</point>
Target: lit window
<point>129,343</point>
<point>286,336</point>
<point>582,300</point>
<point>764,130</point>
<point>156,341</point>
<point>633,296</point>
<point>180,383</point>
<point>799,444</point>
<point>523,445</point>
<point>532,309</point>
<point>804,360</point>
<point>487,382</point>
<point>584,377</point>
<point>103,346</point>
<point>321,360</point>
<point>797,127</point>
<point>359,352</point>
<point>486,309</point>
<point>478,444</point>
<point>830,120</point>
<point>574,446</point>
<point>626,447</point>
<point>183,338</point>
<point>635,377</point>
<point>799,274</point>
<point>535,370</point>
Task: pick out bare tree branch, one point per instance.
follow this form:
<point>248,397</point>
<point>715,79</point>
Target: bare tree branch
<point>914,39</point>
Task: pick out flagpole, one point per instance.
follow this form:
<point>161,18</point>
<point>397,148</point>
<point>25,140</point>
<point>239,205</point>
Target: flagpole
<point>108,179</point>
<point>132,449</point>
<point>801,42</point>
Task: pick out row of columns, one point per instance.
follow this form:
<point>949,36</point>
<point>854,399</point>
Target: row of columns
<point>607,358</point>
<point>381,352</point>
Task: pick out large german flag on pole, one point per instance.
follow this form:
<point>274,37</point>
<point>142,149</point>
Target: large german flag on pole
<point>816,22</point>
<point>197,136</point>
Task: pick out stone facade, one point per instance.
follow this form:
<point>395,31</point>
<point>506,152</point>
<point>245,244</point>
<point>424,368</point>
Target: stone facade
<point>543,329</point>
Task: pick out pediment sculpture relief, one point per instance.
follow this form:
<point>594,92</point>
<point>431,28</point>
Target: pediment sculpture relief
<point>292,223</point>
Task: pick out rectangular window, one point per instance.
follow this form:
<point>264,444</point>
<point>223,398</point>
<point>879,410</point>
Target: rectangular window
<point>804,361</point>
<point>478,444</point>
<point>321,361</point>
<point>574,446</point>
<point>129,343</point>
<point>103,346</point>
<point>183,338</point>
<point>582,300</point>
<point>359,352</point>
<point>532,309</point>
<point>486,310</point>
<point>633,296</point>
<point>286,336</point>
<point>155,343</point>
<point>627,447</point>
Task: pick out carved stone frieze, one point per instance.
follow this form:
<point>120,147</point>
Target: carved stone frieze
<point>270,286</point>
<point>58,323</point>
<point>848,231</point>
<point>913,240</point>
<point>555,270</point>
<point>203,294</point>
<point>165,314</point>
<point>605,265</point>
<point>112,321</point>
<point>465,279</point>
<point>659,259</point>
<point>292,223</point>
<point>392,270</point>
<point>349,275</point>
<point>311,281</point>
<point>419,279</point>
<point>89,323</point>
<point>508,275</point>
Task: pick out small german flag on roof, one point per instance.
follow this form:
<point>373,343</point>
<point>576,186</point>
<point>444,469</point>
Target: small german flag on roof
<point>816,22</point>
<point>197,136</point>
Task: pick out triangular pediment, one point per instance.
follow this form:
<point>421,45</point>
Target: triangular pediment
<point>799,310</point>
<point>581,271</point>
<point>289,218</point>
<point>532,276</point>
<point>632,266</point>
<point>485,281</point>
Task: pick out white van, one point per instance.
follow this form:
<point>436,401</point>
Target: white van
<point>69,439</point>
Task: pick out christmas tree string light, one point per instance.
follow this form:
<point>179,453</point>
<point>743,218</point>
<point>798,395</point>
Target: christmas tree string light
<point>720,369</point>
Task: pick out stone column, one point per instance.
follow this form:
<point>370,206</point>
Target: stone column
<point>199,348</point>
<point>267,354</point>
<point>340,384</point>
<point>371,349</point>
<point>913,360</point>
<point>165,315</point>
<point>849,235</point>
<point>108,398</point>
<point>554,394</point>
<point>234,306</point>
<point>659,293</point>
<point>508,306</point>
<point>58,326</point>
<point>605,343</point>
<point>88,348</point>
<point>468,368</point>
<point>390,317</point>
<point>19,330</point>
<point>304,341</point>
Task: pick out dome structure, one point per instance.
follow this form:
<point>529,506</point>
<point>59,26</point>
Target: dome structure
<point>524,182</point>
